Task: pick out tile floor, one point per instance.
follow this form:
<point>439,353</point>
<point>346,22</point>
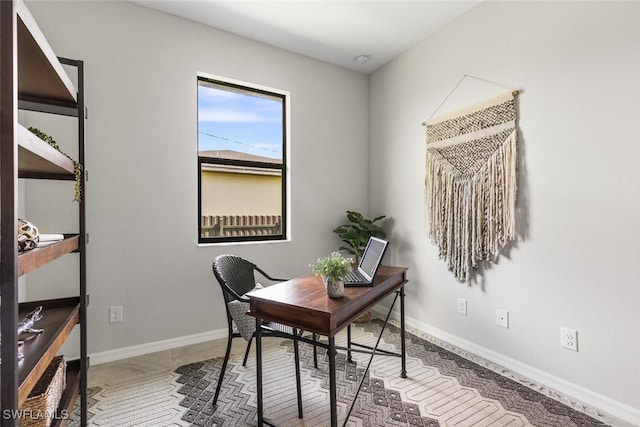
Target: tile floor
<point>160,361</point>
<point>112,372</point>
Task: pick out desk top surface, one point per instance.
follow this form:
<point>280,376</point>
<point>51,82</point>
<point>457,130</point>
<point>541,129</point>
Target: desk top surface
<point>303,302</point>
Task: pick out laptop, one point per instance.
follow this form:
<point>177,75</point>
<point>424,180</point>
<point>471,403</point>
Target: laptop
<point>369,263</point>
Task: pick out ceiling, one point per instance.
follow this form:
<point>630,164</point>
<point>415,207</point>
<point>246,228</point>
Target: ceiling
<point>332,31</point>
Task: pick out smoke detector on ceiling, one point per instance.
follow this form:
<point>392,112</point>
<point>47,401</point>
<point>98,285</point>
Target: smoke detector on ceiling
<point>361,59</point>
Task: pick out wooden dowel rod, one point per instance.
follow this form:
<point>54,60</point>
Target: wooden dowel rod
<point>513,92</point>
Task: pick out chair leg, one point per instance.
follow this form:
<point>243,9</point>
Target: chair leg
<point>246,353</point>
<point>297,359</point>
<point>315,351</point>
<point>224,367</point>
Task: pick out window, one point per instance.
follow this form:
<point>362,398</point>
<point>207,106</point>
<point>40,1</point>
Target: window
<point>241,162</point>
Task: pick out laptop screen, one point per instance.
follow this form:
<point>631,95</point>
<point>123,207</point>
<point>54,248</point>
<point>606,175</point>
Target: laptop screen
<point>372,257</point>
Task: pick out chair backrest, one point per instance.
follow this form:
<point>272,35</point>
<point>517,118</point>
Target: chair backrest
<point>235,275</point>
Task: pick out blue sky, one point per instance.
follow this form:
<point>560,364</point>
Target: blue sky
<point>234,121</point>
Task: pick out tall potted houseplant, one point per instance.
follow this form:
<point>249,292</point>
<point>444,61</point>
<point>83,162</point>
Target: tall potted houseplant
<point>356,232</point>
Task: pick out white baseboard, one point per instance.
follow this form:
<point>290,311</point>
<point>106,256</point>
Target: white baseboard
<point>571,394</point>
<point>142,349</point>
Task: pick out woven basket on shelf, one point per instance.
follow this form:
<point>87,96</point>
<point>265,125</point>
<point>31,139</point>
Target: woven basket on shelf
<point>41,404</point>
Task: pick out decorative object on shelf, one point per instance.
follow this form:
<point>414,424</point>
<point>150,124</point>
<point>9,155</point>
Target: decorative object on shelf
<point>333,269</point>
<point>28,236</point>
<point>470,183</point>
<point>26,325</point>
<point>357,231</point>
<point>39,410</point>
<point>47,239</point>
<point>77,166</point>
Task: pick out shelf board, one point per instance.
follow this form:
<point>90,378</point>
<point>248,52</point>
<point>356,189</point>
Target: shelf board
<point>37,158</point>
<point>70,394</point>
<point>41,77</point>
<point>59,316</point>
<point>35,258</point>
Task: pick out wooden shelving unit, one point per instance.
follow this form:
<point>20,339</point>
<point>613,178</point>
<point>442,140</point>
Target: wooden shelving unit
<point>70,395</point>
<point>37,159</point>
<point>29,261</point>
<point>59,318</point>
<point>41,77</point>
<point>33,78</point>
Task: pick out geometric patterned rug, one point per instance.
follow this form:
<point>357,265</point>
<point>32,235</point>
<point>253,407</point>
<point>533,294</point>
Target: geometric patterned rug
<point>442,389</point>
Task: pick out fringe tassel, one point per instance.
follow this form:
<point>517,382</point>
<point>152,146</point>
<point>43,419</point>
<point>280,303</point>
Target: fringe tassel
<point>470,218</point>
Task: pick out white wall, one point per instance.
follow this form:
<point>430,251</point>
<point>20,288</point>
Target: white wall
<point>575,262</point>
<point>140,76</point>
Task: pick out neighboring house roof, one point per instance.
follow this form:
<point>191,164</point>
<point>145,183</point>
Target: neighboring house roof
<point>236,155</point>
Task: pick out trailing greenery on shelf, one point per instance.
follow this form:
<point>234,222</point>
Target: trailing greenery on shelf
<point>357,231</point>
<point>77,166</point>
<point>334,267</point>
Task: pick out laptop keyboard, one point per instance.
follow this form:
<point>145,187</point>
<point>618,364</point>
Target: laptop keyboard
<point>355,277</point>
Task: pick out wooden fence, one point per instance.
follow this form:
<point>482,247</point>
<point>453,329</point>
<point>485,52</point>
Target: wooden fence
<point>241,225</point>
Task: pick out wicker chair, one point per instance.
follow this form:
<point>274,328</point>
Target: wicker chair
<point>236,277</point>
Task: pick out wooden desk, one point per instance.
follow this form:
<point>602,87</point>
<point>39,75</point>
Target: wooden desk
<point>303,304</point>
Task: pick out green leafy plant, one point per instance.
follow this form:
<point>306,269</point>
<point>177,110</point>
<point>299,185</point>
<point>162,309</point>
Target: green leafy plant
<point>334,267</point>
<point>357,231</point>
<point>77,166</point>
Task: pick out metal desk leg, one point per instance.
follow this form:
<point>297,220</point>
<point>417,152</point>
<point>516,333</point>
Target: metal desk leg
<point>259,370</point>
<point>332,381</point>
<point>315,351</point>
<point>349,343</point>
<point>403,372</point>
<point>296,356</point>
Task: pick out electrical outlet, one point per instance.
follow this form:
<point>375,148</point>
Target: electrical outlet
<point>502,318</point>
<point>569,338</point>
<point>115,314</point>
<point>462,306</point>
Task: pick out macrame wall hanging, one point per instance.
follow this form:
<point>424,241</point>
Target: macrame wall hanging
<point>470,183</point>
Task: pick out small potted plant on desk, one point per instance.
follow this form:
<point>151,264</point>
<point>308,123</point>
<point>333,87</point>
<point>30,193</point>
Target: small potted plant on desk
<point>333,269</point>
